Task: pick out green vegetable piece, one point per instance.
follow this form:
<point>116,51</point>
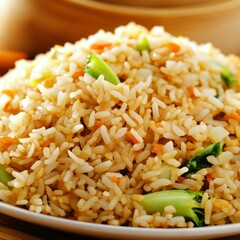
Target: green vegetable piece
<point>187,204</point>
<point>143,44</point>
<point>45,76</point>
<point>5,177</point>
<point>199,161</point>
<point>96,67</point>
<point>167,171</point>
<point>228,77</point>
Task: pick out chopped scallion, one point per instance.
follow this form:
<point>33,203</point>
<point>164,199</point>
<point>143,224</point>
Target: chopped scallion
<point>96,67</point>
<point>143,44</point>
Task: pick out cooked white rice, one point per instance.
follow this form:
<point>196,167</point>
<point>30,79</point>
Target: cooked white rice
<point>79,148</point>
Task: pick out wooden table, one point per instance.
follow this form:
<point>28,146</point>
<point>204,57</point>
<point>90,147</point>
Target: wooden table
<point>14,229</point>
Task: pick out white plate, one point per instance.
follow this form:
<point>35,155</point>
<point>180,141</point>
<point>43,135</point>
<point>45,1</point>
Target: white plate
<point>106,231</point>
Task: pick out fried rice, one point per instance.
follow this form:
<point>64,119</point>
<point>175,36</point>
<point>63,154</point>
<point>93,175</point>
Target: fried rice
<point>79,147</point>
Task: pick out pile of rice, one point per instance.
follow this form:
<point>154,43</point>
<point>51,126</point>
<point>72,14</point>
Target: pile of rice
<point>80,148</point>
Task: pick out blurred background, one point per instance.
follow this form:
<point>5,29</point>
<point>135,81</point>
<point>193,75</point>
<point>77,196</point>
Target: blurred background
<point>33,26</point>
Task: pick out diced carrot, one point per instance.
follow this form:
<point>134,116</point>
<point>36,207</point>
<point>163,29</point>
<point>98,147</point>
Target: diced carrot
<point>208,177</point>
<point>45,143</point>
<point>180,179</point>
<point>157,148</point>
<point>235,115</point>
<point>8,58</point>
<point>190,90</point>
<point>78,74</point>
<point>8,108</point>
<point>132,138</point>
<point>116,179</point>
<point>8,92</point>
<point>172,46</point>
<point>98,123</point>
<point>6,142</point>
<point>158,124</point>
<point>100,45</point>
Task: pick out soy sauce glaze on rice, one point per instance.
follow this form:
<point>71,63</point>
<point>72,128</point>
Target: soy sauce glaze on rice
<point>135,127</point>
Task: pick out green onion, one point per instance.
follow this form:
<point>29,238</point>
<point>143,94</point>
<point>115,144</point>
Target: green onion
<point>199,161</point>
<point>96,67</point>
<point>187,203</point>
<point>5,177</point>
<point>228,78</point>
<point>143,44</point>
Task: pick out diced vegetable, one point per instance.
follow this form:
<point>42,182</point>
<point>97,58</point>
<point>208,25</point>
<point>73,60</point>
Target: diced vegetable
<point>9,108</point>
<point>235,115</point>
<point>187,203</point>
<point>98,123</point>
<point>143,44</point>
<point>172,46</point>
<point>217,134</point>
<point>8,92</point>
<point>132,137</point>
<point>199,161</point>
<point>5,177</point>
<point>166,171</point>
<point>78,74</point>
<point>228,77</point>
<point>45,143</point>
<point>96,67</point>
<point>190,90</point>
<point>116,179</point>
<point>157,148</point>
<point>46,77</point>
<point>6,142</point>
<point>100,45</point>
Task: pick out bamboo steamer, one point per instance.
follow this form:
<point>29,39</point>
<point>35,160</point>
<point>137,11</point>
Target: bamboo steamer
<point>159,3</point>
<point>36,25</point>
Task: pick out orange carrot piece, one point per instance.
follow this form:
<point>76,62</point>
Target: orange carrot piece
<point>78,74</point>
<point>45,143</point>
<point>8,108</point>
<point>180,179</point>
<point>6,141</point>
<point>157,148</point>
<point>100,45</point>
<point>172,46</point>
<point>116,179</point>
<point>98,123</point>
<point>190,90</point>
<point>8,58</point>
<point>8,92</point>
<point>235,115</point>
<point>208,177</point>
<point>132,138</point>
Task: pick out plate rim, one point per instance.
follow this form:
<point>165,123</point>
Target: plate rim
<point>102,230</point>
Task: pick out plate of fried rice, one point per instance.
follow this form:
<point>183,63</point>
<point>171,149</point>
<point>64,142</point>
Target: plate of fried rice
<point>132,133</point>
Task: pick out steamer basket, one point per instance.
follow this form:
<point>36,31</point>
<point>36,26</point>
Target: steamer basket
<point>36,25</point>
